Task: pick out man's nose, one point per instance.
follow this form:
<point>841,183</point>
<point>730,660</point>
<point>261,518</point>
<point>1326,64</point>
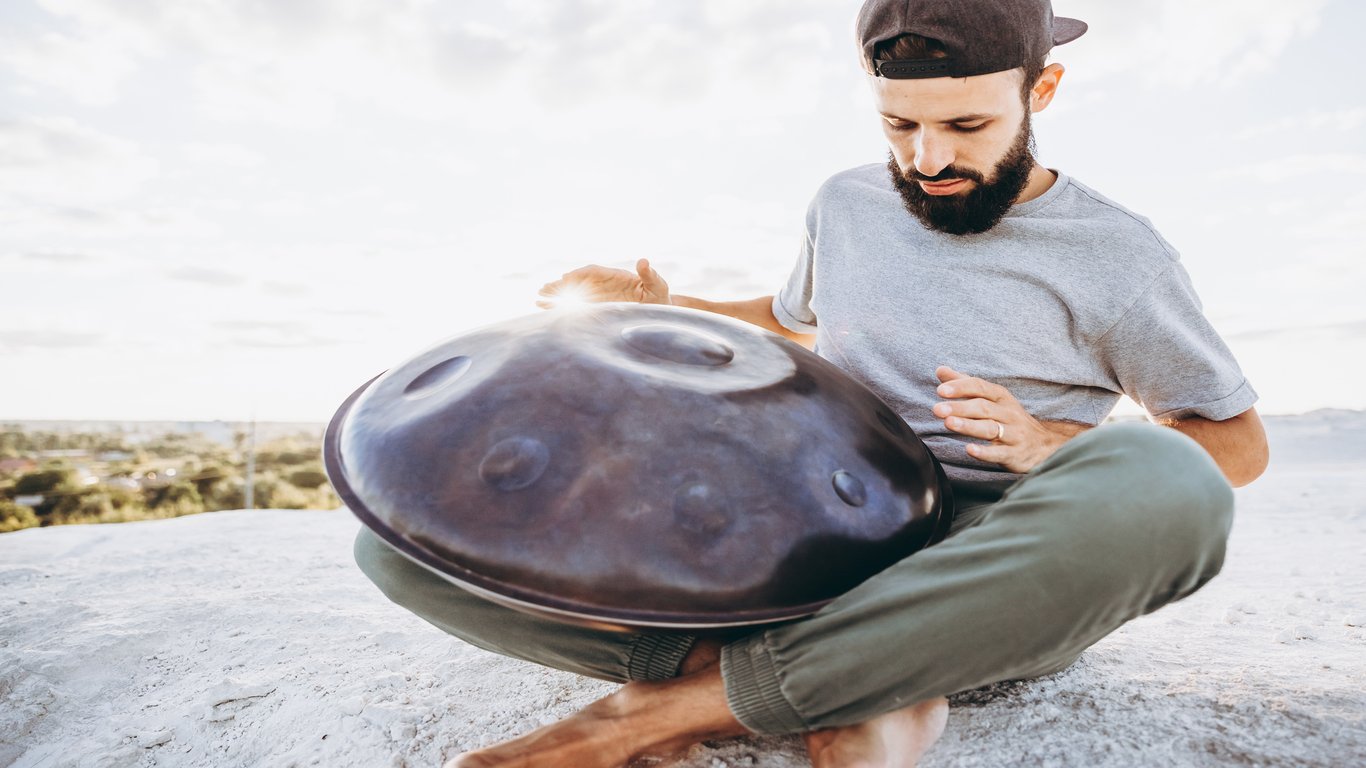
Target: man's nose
<point>932,153</point>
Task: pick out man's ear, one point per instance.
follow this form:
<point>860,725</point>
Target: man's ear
<point>1045,87</point>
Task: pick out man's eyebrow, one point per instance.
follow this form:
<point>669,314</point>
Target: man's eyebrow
<point>959,119</point>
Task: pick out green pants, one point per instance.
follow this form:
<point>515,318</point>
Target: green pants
<point>1122,520</point>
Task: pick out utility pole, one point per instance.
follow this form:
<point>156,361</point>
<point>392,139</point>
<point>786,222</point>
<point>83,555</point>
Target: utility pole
<point>251,465</point>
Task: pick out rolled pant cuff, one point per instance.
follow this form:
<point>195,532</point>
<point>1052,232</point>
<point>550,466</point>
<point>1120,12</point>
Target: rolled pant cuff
<point>754,690</point>
<point>657,657</point>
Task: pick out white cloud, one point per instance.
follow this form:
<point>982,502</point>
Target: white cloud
<point>1183,43</point>
<point>220,156</point>
<point>1297,165</point>
<point>87,66</point>
<point>301,63</point>
<point>1336,120</point>
<point>59,162</point>
<point>58,257</point>
<point>48,338</point>
<point>206,276</point>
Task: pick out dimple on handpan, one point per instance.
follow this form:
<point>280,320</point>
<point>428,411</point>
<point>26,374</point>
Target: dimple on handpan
<point>632,466</point>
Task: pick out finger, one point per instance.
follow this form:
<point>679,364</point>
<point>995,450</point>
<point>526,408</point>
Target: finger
<point>649,278</point>
<point>976,408</point>
<point>995,454</point>
<point>982,429</point>
<point>971,386</point>
<point>946,373</point>
<point>546,304</point>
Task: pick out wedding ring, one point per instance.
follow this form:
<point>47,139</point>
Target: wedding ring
<point>1000,431</point>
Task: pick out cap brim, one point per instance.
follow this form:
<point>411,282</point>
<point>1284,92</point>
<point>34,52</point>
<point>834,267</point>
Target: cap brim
<point>1066,30</point>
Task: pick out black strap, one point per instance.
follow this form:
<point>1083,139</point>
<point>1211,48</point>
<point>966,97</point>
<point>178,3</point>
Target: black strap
<point>912,69</point>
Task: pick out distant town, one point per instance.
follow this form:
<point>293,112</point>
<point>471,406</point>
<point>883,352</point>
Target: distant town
<point>63,472</point>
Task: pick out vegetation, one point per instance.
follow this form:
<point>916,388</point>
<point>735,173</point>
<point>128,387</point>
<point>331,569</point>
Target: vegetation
<point>54,479</point>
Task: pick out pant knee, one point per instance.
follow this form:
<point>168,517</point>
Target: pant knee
<point>1175,485</point>
<point>1146,504</point>
<point>1158,472</point>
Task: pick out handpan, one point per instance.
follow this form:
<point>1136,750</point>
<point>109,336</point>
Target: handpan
<point>629,466</point>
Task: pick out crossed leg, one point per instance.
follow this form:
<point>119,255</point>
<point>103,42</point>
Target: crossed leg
<point>1120,521</point>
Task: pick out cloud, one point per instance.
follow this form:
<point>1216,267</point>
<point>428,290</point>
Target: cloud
<point>352,313</point>
<point>301,64</point>
<point>1297,165</point>
<point>278,288</point>
<point>48,339</point>
<point>88,66</point>
<point>272,334</point>
<point>205,276</point>
<point>283,327</point>
<point>1184,44</point>
<point>221,156</point>
<point>59,162</point>
<point>298,342</point>
<point>1352,329</point>
<point>58,257</point>
<point>1339,120</point>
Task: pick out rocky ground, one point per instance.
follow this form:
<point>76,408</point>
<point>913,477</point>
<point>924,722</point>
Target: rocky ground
<point>250,638</point>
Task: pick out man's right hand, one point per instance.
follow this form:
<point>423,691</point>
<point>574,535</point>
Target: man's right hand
<point>597,283</point>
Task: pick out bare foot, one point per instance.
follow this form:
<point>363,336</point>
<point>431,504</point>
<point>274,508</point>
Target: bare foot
<point>639,720</point>
<point>897,739</point>
<point>591,736</point>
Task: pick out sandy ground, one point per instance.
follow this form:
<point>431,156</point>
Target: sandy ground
<point>250,638</point>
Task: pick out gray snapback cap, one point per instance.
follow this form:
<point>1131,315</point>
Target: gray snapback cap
<point>980,36</point>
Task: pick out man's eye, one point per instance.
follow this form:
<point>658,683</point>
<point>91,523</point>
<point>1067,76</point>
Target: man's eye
<point>969,128</point>
<point>901,126</point>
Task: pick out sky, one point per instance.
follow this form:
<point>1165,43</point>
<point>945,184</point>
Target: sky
<point>220,209</point>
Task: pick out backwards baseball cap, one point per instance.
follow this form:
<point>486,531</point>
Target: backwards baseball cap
<point>980,36</point>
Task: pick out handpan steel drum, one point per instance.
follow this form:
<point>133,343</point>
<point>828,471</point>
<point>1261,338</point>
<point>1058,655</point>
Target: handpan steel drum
<point>630,465</point>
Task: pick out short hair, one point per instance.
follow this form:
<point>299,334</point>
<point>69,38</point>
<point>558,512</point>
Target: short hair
<point>911,47</point>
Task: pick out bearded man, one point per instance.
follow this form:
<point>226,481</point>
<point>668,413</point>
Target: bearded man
<point>1042,302</point>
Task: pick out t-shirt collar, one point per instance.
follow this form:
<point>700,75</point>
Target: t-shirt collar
<point>1049,195</point>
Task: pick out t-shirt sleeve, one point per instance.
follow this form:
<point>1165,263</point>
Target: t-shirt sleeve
<point>1164,354</point>
<point>792,305</point>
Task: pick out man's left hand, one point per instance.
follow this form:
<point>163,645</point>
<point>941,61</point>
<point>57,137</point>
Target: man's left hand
<point>981,409</point>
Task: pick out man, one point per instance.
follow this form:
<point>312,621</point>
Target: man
<point>1041,302</point>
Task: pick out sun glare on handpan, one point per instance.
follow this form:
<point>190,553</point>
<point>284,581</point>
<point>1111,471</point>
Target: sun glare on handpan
<point>569,297</point>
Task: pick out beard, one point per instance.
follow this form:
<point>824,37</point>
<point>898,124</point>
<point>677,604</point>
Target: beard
<point>978,209</point>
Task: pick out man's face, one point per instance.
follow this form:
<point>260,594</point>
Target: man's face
<point>961,147</point>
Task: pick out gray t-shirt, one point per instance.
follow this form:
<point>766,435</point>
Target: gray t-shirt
<point>1068,302</point>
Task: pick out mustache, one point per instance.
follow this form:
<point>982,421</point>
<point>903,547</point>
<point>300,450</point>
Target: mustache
<point>950,173</point>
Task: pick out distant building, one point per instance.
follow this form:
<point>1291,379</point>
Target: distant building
<point>29,500</point>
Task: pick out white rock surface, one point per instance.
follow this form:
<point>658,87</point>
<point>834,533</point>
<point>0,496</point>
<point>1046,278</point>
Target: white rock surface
<point>250,638</point>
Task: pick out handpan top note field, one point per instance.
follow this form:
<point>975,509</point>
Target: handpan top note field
<point>637,466</point>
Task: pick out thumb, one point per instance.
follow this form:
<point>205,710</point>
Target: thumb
<point>648,276</point>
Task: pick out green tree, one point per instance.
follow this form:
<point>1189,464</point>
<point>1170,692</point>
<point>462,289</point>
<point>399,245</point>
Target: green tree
<point>309,478</point>
<point>42,481</point>
<point>14,517</point>
<point>174,500</point>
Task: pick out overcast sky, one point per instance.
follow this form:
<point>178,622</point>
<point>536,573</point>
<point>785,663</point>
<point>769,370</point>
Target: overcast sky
<point>213,208</point>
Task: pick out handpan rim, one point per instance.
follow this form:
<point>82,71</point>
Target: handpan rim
<point>520,598</point>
